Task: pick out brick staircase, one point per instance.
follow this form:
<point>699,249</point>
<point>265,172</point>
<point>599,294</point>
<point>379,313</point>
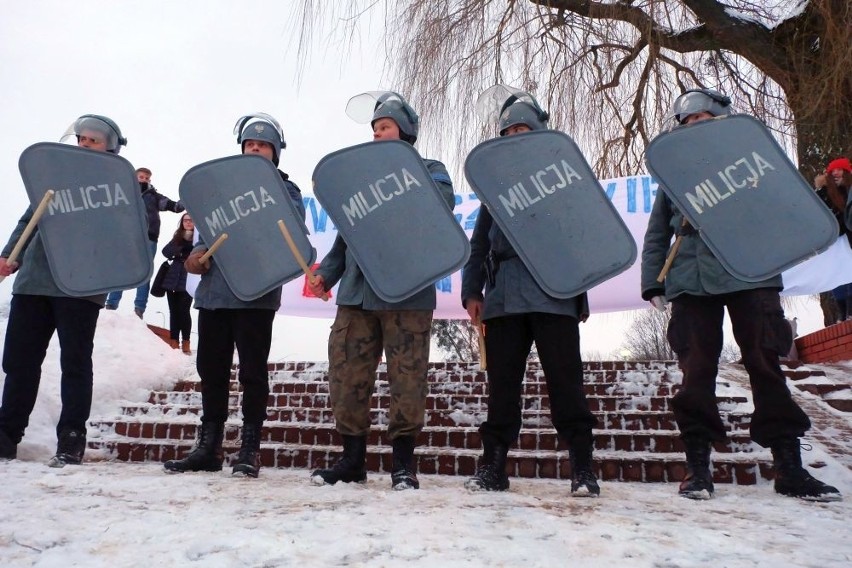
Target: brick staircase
<point>836,392</point>
<point>636,439</point>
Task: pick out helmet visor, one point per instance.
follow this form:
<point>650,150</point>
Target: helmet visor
<point>695,102</point>
<point>361,108</point>
<point>95,128</point>
<point>246,121</point>
<point>494,100</point>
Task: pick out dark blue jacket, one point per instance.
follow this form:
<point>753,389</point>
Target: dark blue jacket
<point>154,203</point>
<point>177,252</point>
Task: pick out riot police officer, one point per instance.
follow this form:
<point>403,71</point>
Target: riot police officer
<point>516,312</point>
<point>699,289</point>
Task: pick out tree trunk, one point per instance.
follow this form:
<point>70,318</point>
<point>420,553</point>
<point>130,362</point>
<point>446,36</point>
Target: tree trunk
<point>830,313</point>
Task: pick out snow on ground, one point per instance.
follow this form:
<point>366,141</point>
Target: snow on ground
<point>106,514</point>
<point>118,514</point>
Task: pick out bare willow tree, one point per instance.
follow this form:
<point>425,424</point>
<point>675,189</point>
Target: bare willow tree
<point>645,338</point>
<point>458,339</point>
<point>608,71</point>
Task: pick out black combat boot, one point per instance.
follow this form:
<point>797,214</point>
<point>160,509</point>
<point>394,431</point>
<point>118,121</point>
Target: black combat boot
<point>698,483</point>
<point>8,448</point>
<point>69,448</point>
<point>792,479</point>
<point>491,473</point>
<point>207,455</point>
<point>583,480</point>
<point>248,461</point>
<point>350,467</point>
<point>403,475</point>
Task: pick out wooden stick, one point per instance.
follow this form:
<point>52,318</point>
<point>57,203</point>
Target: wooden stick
<point>483,366</point>
<point>37,214</point>
<point>299,258</point>
<point>672,254</point>
<point>669,259</point>
<point>206,256</point>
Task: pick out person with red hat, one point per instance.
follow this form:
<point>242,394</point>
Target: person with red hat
<point>833,188</point>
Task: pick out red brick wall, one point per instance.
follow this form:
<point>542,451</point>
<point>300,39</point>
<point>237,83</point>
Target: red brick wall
<point>160,332</point>
<point>834,343</point>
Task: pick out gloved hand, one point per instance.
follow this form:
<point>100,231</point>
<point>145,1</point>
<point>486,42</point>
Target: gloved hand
<point>194,265</point>
<point>659,303</point>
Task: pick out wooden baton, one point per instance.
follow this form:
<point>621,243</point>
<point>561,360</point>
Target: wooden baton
<point>299,258</point>
<point>483,365</point>
<point>206,256</point>
<point>37,214</point>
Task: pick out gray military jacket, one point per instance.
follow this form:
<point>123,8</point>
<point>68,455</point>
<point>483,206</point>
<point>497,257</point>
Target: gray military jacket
<point>34,276</point>
<point>695,270</point>
<point>213,292</point>
<point>354,290</point>
<point>514,290</point>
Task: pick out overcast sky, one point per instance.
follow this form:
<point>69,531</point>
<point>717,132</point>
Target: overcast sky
<point>175,76</point>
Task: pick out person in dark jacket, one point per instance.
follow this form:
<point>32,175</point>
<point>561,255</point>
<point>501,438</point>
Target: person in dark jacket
<point>365,325</point>
<point>174,283</point>
<point>225,321</point>
<point>516,312</point>
<point>39,308</point>
<point>832,187</point>
<point>699,289</point>
<point>154,204</point>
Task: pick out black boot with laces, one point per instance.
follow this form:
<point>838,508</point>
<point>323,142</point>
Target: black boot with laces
<point>207,455</point>
<point>8,448</point>
<point>583,480</point>
<point>69,448</point>
<point>248,460</point>
<point>403,475</point>
<point>349,468</point>
<point>792,480</point>
<point>491,473</point>
<point>698,483</point>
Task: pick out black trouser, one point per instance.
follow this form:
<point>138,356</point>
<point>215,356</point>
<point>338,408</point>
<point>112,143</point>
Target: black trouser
<point>695,334</point>
<point>218,332</point>
<point>32,321</point>
<point>508,340</point>
<point>180,320</point>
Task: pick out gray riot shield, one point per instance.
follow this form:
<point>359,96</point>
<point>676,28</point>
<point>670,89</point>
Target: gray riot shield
<point>95,229</point>
<point>244,197</point>
<point>545,198</point>
<point>387,208</point>
<point>735,184</point>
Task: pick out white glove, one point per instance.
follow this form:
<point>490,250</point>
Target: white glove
<point>659,302</point>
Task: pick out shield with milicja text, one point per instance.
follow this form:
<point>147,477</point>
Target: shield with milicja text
<point>244,197</point>
<point>391,215</point>
<point>545,198</point>
<point>95,228</point>
<point>734,184</point>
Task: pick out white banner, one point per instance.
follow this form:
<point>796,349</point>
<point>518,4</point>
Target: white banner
<point>633,197</point>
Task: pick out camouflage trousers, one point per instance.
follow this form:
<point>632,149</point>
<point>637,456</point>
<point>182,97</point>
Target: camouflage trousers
<point>354,351</point>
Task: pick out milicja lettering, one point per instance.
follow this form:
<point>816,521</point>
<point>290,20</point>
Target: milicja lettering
<point>742,174</point>
<point>238,208</point>
<point>85,198</point>
<point>378,193</point>
<point>519,198</point>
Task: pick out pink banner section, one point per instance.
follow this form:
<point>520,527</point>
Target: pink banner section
<point>633,197</point>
